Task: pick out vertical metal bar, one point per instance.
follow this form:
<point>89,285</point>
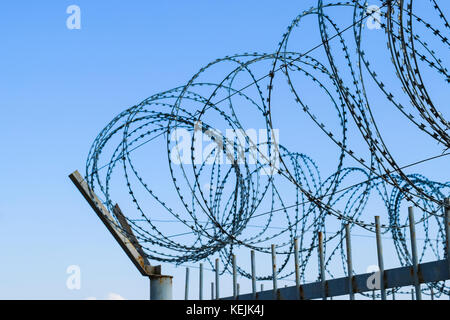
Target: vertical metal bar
<point>373,294</point>
<point>252,258</point>
<point>349,262</point>
<point>233,259</point>
<point>297,273</point>
<point>238,289</point>
<point>274,272</point>
<point>393,294</point>
<point>432,293</point>
<point>262,287</point>
<point>447,231</point>
<point>412,230</point>
<point>322,266</point>
<point>212,290</point>
<point>200,285</point>
<point>160,287</point>
<point>217,279</point>
<point>186,285</point>
<point>380,257</point>
<point>412,294</point>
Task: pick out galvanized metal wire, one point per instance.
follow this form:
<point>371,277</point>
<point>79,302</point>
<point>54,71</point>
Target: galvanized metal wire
<point>295,196</point>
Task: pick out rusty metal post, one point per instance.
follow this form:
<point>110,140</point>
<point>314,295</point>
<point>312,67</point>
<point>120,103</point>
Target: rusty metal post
<point>235,294</point>
<point>380,257</point>
<point>217,279</point>
<point>186,285</point>
<point>322,266</point>
<point>447,231</point>
<point>160,287</point>
<point>349,262</point>
<point>252,260</point>
<point>200,285</point>
<point>412,230</point>
<point>274,272</point>
<point>296,265</point>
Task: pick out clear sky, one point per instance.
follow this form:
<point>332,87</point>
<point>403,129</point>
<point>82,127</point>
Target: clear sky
<point>60,87</point>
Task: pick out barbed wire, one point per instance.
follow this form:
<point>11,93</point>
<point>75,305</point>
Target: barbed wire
<point>251,178</point>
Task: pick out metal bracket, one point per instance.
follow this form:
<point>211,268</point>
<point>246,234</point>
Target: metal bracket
<point>127,239</point>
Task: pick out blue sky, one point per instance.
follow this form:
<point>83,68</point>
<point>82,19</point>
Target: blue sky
<point>60,87</point>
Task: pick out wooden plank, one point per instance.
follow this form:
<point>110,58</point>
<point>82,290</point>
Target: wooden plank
<point>105,216</point>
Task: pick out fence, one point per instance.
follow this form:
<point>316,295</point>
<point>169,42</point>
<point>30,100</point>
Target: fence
<point>161,286</point>
<point>413,275</point>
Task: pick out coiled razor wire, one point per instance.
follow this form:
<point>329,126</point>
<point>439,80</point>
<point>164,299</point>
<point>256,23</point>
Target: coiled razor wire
<point>293,200</point>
